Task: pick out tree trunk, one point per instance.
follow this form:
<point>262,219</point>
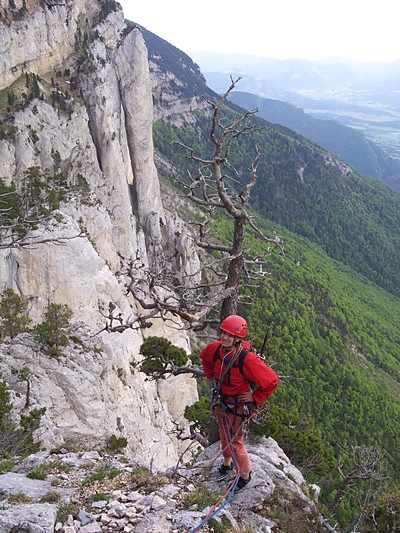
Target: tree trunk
<point>229,304</point>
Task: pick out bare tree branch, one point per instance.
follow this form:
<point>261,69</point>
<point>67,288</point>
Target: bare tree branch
<point>366,464</point>
<point>218,189</point>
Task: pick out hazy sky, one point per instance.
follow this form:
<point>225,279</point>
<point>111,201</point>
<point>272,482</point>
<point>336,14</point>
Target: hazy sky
<point>309,29</point>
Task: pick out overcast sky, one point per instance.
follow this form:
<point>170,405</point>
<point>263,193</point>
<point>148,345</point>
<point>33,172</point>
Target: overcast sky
<point>309,29</point>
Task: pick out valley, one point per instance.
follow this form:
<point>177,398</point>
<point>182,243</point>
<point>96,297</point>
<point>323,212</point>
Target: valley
<point>364,96</point>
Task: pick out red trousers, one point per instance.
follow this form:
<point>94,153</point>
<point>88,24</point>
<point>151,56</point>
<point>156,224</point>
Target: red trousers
<point>230,424</point>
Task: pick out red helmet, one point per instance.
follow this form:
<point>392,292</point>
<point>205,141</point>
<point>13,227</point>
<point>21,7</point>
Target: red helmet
<point>235,325</point>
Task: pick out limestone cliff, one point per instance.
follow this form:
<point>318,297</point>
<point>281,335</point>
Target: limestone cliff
<point>89,121</point>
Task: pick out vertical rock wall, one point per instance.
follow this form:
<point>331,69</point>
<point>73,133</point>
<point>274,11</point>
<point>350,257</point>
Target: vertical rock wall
<point>94,390</point>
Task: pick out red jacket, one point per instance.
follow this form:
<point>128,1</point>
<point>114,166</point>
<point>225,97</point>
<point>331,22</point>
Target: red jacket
<point>254,370</point>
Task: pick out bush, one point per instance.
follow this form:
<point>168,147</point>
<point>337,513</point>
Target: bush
<point>116,443</point>
<point>199,413</point>
<point>65,509</point>
<point>51,496</point>
<point>17,498</point>
<point>6,465</point>
<point>41,471</point>
<point>12,439</point>
<point>5,405</point>
<point>54,332</point>
<point>161,357</point>
<point>384,514</point>
<point>299,440</point>
<point>100,497</point>
<point>13,317</point>
<point>202,498</point>
<point>143,479</point>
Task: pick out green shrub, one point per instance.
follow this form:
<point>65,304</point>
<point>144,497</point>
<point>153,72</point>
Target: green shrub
<point>100,497</point>
<point>13,317</point>
<point>299,440</point>
<point>199,413</point>
<point>102,473</point>
<point>116,443</point>
<point>31,421</point>
<point>54,332</point>
<point>161,356</point>
<point>51,496</point>
<point>202,498</point>
<point>384,514</point>
<point>12,439</point>
<point>6,131</point>
<point>17,498</point>
<point>5,405</point>
<point>41,471</point>
<point>65,509</point>
<point>224,526</point>
<point>6,465</point>
<point>142,478</point>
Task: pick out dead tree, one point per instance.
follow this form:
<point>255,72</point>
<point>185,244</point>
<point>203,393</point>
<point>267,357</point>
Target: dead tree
<point>366,466</point>
<point>218,190</point>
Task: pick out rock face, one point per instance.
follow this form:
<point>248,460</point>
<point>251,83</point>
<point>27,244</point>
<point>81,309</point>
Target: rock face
<point>161,501</point>
<point>92,122</point>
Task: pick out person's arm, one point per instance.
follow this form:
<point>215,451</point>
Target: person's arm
<point>256,371</point>
<point>208,359</point>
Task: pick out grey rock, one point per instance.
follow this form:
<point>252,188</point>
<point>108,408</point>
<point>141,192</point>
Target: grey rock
<point>100,504</point>
<point>34,518</point>
<point>33,488</point>
<point>158,503</point>
<point>84,517</point>
<point>30,462</point>
<point>169,491</point>
<point>94,527</point>
<point>117,511</point>
<point>107,139</point>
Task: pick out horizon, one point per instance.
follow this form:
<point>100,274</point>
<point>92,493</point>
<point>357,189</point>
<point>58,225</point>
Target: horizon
<point>331,59</point>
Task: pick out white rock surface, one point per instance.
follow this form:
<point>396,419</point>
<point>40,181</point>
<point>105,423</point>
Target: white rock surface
<point>93,392</point>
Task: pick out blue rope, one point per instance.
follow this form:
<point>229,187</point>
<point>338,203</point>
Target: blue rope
<point>231,492</point>
<point>218,509</point>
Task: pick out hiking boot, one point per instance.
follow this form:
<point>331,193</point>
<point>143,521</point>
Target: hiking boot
<point>242,482</point>
<point>224,471</point>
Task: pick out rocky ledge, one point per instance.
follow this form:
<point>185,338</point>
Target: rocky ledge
<point>88,492</point>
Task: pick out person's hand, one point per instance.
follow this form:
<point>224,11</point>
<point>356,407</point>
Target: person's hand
<point>246,397</point>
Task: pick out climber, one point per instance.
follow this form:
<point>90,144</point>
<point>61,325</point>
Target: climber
<point>241,382</point>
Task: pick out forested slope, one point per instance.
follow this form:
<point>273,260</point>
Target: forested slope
<point>355,219</point>
<point>348,143</point>
<point>336,335</point>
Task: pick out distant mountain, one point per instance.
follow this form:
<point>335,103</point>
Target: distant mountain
<point>347,143</point>
<point>361,95</point>
<point>288,73</point>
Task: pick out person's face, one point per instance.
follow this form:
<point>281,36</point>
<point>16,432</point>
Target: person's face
<point>227,340</point>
